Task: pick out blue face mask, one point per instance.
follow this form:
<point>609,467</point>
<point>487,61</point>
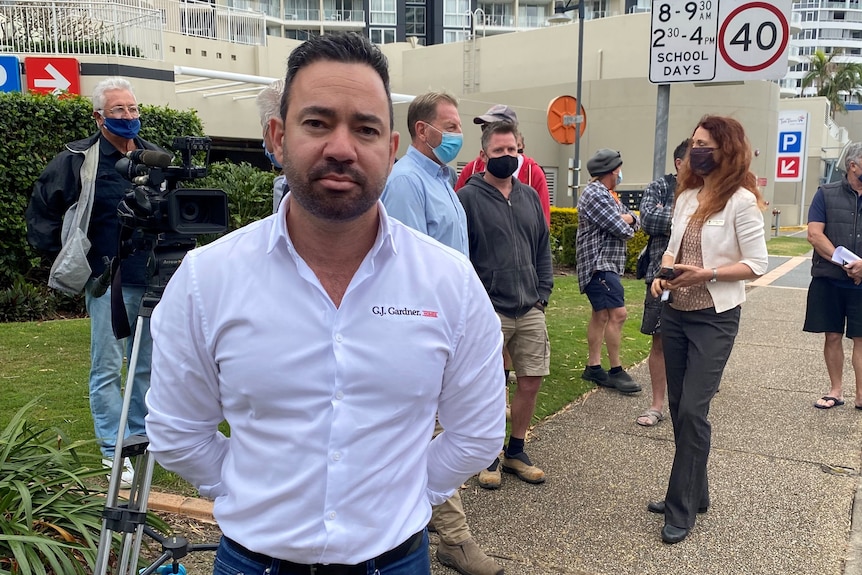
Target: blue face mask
<point>123,127</point>
<point>620,178</point>
<point>271,157</point>
<point>449,146</point>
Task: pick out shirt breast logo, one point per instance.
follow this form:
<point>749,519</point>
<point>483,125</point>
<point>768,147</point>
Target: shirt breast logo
<point>382,310</point>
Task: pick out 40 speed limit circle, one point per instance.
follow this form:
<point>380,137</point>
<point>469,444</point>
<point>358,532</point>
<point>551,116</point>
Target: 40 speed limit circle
<point>753,37</point>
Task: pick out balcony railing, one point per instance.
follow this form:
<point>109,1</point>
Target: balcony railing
<point>76,27</point>
<point>133,28</point>
<point>205,20</point>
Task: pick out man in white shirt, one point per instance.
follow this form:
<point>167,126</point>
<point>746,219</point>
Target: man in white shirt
<point>418,193</point>
<point>330,394</point>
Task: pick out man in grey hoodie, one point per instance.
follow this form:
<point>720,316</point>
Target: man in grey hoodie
<point>510,251</point>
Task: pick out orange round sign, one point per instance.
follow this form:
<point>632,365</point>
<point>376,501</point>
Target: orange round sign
<point>562,119</point>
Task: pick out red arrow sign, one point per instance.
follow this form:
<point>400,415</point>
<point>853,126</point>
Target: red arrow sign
<point>788,167</point>
<point>52,75</point>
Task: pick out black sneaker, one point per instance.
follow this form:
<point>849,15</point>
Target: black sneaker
<point>622,382</point>
<point>597,376</point>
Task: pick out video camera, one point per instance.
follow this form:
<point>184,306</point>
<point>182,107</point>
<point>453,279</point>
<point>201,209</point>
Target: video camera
<point>158,215</point>
<point>158,204</point>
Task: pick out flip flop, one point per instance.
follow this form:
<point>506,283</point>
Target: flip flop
<point>835,402</point>
<point>653,418</point>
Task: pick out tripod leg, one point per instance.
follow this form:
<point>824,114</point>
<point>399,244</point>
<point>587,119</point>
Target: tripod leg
<point>106,536</point>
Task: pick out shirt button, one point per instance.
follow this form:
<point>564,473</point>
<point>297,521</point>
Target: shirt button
<point>336,456</point>
<point>338,337</point>
<point>339,395</point>
<point>331,515</point>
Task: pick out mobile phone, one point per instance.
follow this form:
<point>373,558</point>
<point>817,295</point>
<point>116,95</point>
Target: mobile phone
<point>668,273</point>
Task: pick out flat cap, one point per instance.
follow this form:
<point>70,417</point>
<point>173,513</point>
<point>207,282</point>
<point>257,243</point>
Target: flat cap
<point>604,161</point>
<point>497,113</point>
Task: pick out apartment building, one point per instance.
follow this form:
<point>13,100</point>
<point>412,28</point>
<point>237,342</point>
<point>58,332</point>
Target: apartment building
<point>826,25</point>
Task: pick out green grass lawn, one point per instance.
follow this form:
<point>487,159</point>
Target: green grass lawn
<point>50,360</point>
<point>788,246</point>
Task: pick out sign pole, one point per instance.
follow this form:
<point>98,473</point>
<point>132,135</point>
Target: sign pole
<point>662,110</point>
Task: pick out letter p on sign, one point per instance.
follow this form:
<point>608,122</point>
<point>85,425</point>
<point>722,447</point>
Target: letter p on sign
<point>790,143</point>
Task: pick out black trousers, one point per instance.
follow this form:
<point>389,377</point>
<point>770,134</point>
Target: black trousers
<point>697,345</point>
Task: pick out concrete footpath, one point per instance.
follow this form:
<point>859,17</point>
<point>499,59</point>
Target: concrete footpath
<point>784,476</point>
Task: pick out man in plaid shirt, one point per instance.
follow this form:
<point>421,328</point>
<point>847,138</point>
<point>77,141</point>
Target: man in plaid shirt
<point>605,225</point>
<point>656,211</point>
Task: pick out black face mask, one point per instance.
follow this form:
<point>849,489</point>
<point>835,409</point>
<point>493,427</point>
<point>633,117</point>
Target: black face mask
<point>503,166</point>
<point>702,161</point>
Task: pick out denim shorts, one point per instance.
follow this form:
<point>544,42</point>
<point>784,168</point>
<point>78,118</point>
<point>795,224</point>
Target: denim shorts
<point>605,291</point>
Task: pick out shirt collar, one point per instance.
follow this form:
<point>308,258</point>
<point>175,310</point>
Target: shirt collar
<point>279,230</point>
<point>433,169</point>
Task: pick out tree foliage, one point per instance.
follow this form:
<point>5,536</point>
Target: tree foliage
<point>834,79</point>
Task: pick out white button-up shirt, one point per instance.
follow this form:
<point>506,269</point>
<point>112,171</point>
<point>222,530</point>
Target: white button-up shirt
<point>331,410</point>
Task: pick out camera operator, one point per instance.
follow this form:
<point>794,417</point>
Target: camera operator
<point>85,171</point>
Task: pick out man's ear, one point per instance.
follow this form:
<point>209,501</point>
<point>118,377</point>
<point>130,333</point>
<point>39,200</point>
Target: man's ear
<point>275,132</point>
<point>393,147</point>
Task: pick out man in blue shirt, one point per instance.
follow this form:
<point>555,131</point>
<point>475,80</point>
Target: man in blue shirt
<point>419,193</point>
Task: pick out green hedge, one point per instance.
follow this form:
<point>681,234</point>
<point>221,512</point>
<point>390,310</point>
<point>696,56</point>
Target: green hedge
<point>564,231</point>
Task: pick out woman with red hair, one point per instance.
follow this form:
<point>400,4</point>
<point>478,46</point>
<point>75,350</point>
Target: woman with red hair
<point>717,242</point>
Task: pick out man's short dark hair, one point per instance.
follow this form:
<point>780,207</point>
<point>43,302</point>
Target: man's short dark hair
<point>349,48</point>
<point>497,128</point>
<point>423,108</point>
<point>682,149</point>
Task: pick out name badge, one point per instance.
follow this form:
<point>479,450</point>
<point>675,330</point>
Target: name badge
<point>715,222</point>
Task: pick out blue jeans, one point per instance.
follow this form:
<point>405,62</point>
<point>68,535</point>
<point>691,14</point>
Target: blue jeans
<point>229,562</point>
<point>106,366</point>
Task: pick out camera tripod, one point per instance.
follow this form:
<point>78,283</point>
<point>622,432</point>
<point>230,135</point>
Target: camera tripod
<point>129,519</point>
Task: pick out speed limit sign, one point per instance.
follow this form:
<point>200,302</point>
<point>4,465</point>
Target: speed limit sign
<point>753,38</point>
<point>719,40</point>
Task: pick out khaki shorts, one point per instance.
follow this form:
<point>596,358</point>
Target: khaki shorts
<point>526,338</point>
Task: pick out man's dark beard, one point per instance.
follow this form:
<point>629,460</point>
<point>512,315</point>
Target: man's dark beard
<point>332,205</point>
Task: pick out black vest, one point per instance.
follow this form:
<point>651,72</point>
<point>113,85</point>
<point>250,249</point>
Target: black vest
<point>843,227</point>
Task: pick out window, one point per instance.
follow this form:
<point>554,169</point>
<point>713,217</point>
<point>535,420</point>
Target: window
<point>414,21</point>
<point>454,36</point>
<point>838,15</point>
<point>383,12</point>
<point>381,35</point>
<point>809,16</point>
<point>456,14</point>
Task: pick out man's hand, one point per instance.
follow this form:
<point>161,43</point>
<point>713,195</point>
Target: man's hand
<point>628,218</point>
<point>854,271</point>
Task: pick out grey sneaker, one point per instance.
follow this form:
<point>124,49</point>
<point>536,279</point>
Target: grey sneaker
<point>597,376</point>
<point>623,382</point>
<point>467,558</point>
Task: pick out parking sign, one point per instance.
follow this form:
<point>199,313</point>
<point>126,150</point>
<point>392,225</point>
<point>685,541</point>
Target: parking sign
<point>792,146</point>
<point>10,74</point>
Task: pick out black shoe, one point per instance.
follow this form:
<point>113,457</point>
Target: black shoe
<point>671,534</point>
<point>658,507</point>
<point>622,382</point>
<point>597,376</point>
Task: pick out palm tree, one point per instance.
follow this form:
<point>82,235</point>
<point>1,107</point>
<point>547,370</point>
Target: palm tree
<point>832,79</point>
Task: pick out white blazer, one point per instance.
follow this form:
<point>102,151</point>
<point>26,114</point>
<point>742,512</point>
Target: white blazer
<point>735,234</point>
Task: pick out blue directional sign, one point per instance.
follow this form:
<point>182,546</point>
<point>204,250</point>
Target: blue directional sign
<point>10,74</point>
